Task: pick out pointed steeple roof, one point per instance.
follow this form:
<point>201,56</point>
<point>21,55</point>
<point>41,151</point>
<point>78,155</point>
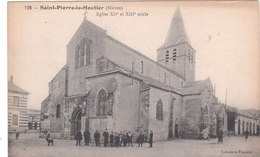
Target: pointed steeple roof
<point>176,32</point>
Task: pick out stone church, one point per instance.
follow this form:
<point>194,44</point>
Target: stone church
<point>106,84</point>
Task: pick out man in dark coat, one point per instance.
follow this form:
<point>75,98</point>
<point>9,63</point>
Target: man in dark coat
<point>111,139</point>
<point>120,138</point>
<point>246,135</point>
<point>105,134</point>
<point>78,138</point>
<point>130,137</point>
<point>17,135</point>
<point>49,139</point>
<point>86,135</point>
<point>96,137</point>
<point>117,140</point>
<point>151,138</point>
<point>140,139</point>
<point>220,136</point>
<point>124,138</point>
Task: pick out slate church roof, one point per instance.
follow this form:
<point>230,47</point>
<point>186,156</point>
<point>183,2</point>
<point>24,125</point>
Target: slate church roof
<point>196,87</point>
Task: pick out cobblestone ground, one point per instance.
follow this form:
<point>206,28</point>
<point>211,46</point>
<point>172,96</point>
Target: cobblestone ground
<point>29,145</point>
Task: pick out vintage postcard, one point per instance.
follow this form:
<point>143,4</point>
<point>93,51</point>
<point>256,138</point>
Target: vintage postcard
<point>151,78</point>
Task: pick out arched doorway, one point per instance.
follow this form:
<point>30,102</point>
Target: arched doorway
<point>76,121</point>
<point>250,129</point>
<point>253,128</point>
<point>243,127</point>
<point>239,127</point>
<point>176,128</point>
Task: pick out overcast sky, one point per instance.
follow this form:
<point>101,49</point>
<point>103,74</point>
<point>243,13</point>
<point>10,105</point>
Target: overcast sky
<point>224,35</point>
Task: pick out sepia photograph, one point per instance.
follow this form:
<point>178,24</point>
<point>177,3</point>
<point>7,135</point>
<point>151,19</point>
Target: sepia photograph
<point>155,78</point>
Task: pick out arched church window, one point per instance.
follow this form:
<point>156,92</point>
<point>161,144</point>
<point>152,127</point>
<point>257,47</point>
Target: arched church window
<point>104,104</point>
<point>81,60</point>
<point>58,111</point>
<point>102,95</point>
<point>77,54</point>
<point>142,67</point>
<point>82,54</point>
<point>110,100</point>
<point>159,110</point>
<point>85,53</point>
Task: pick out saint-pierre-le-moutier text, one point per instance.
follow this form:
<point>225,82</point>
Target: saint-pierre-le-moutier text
<point>95,7</point>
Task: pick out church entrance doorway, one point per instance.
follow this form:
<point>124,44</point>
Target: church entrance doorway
<point>76,121</point>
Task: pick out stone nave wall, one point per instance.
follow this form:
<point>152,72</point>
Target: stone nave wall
<point>161,127</point>
<point>55,123</point>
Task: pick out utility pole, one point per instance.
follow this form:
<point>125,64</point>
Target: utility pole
<point>214,88</point>
<point>132,72</point>
<point>85,15</point>
<point>226,97</point>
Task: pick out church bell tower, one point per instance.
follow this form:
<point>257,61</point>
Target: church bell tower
<point>176,53</point>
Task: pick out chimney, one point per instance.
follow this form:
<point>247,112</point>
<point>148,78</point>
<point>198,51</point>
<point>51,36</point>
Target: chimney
<point>11,79</point>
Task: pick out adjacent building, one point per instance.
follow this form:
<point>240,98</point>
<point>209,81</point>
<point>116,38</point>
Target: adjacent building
<point>17,107</point>
<point>239,122</point>
<point>20,117</point>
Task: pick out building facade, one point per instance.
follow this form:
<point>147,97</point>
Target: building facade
<point>239,122</point>
<point>219,119</point>
<point>17,107</point>
<point>105,84</point>
<point>20,117</point>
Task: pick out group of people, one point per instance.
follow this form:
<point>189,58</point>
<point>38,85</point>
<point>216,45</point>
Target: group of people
<point>113,139</point>
<point>140,139</point>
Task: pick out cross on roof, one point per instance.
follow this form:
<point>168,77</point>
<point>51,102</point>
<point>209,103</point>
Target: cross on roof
<point>85,14</point>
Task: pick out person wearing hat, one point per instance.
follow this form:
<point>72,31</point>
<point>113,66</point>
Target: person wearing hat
<point>111,139</point>
<point>96,137</point>
<point>105,134</point>
<point>220,136</point>
<point>151,138</point>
